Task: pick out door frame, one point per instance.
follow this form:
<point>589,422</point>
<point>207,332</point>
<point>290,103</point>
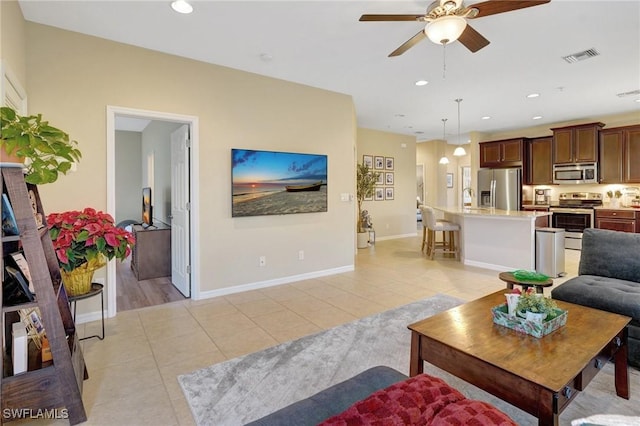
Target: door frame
<point>194,242</point>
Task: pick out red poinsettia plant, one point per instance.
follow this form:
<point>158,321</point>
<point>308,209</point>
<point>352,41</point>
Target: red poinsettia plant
<point>85,236</point>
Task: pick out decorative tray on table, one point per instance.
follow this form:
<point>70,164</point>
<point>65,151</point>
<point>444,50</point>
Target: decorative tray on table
<point>521,325</point>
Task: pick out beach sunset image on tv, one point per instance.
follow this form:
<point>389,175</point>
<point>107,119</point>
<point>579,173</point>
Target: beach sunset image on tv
<point>272,183</point>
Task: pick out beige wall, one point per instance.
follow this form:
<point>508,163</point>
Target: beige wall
<point>397,217</point>
<point>12,44</point>
<point>13,39</point>
<point>235,109</point>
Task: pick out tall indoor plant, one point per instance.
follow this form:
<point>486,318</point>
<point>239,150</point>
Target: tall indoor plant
<point>366,180</point>
<point>45,150</point>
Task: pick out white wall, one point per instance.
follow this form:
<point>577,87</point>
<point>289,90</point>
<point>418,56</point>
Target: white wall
<point>156,142</point>
<point>128,176</point>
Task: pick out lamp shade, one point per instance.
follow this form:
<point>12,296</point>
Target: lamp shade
<point>459,151</point>
<point>445,29</point>
<point>181,6</point>
<point>444,160</point>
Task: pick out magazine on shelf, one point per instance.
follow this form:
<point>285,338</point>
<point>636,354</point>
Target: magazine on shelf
<point>9,224</point>
<point>18,261</point>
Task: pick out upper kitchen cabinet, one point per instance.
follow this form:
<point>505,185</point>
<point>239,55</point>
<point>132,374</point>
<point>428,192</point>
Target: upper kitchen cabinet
<point>504,153</point>
<point>539,164</point>
<point>620,155</point>
<point>576,144</point>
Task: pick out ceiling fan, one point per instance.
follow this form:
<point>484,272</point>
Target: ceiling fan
<point>447,21</point>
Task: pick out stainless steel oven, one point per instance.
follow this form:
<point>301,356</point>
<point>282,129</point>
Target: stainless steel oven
<point>574,213</point>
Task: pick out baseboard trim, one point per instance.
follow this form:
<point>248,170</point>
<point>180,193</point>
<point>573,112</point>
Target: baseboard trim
<point>270,283</point>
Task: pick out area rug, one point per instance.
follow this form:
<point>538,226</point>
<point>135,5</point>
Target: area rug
<point>246,388</point>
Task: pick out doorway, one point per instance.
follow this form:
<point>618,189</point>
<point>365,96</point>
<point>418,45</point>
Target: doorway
<point>185,245</point>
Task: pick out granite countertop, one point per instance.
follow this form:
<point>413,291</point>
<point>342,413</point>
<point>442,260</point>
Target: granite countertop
<point>492,213</point>
<point>607,207</point>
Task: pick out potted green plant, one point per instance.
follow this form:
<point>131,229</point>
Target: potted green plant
<point>535,306</point>
<point>366,180</point>
<point>45,150</point>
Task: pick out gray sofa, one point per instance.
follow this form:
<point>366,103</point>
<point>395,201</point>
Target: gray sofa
<point>608,279</point>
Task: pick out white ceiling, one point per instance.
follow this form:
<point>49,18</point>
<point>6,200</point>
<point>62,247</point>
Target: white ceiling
<point>322,44</point>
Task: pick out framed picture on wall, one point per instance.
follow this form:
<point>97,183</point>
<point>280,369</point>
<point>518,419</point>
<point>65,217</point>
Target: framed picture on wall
<point>367,160</point>
<point>388,193</point>
<point>379,195</point>
<point>379,162</point>
<point>388,163</point>
<point>388,178</point>
<point>380,179</point>
<point>449,180</point>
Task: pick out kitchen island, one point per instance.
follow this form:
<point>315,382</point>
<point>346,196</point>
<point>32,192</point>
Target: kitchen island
<point>502,240</point>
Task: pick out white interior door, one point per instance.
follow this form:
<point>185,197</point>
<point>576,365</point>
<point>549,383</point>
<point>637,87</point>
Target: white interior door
<point>180,258</point>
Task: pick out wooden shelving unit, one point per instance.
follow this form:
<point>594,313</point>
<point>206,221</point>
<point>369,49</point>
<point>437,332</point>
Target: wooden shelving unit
<point>58,385</point>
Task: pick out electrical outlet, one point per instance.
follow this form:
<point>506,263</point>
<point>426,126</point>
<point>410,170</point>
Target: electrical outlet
<point>263,261</point>
<point>300,254</point>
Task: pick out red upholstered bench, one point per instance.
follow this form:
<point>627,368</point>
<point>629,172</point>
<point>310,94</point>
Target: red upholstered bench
<point>384,396</point>
<point>420,400</point>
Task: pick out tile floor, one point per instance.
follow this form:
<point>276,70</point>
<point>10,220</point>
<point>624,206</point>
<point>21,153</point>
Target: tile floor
<point>133,371</point>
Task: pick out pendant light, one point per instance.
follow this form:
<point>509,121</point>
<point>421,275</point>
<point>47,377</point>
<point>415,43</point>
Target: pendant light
<point>444,159</point>
<point>459,151</point>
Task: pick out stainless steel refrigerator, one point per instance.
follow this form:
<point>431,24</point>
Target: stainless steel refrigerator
<point>500,188</point>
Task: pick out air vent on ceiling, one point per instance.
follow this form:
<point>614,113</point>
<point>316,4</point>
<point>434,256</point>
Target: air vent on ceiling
<point>581,56</point>
<point>631,93</point>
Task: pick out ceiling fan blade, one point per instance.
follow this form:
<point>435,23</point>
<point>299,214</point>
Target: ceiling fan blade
<point>409,44</point>
<point>493,7</point>
<point>472,40</point>
<point>369,18</point>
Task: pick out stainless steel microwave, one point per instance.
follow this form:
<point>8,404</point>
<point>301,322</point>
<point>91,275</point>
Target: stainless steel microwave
<point>575,173</point>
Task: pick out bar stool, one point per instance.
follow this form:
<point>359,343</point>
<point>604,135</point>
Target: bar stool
<point>96,289</point>
<point>449,229</point>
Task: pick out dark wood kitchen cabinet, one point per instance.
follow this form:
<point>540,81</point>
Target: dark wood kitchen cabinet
<point>576,144</point>
<point>539,163</point>
<point>503,153</point>
<point>620,155</point>
<point>618,220</point>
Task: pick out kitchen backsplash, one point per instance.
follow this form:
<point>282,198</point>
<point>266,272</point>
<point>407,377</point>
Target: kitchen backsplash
<point>555,190</point>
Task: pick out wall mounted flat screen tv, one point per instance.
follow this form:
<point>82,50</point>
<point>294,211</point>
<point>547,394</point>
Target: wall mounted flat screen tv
<point>276,183</point>
<point>147,213</point>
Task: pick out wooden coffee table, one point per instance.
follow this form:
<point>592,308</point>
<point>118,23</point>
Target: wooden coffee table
<point>538,375</point>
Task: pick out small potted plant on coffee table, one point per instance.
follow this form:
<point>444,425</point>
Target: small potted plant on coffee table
<point>535,306</point>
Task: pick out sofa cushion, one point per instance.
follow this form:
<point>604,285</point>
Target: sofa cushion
<point>414,401</point>
<point>610,254</point>
<point>471,412</point>
<point>607,294</point>
<point>333,400</point>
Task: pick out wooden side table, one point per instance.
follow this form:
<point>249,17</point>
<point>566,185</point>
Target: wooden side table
<point>508,278</point>
<point>96,289</point>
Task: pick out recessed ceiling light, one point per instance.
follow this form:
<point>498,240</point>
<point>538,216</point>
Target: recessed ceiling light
<point>637,100</point>
<point>181,6</point>
<point>533,95</point>
<point>537,117</point>
<point>422,83</point>
<point>265,57</point>
<point>399,115</point>
<point>486,117</point>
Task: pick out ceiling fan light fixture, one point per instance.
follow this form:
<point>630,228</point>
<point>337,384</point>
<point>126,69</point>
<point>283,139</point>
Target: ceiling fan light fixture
<point>445,29</point>
<point>181,6</point>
